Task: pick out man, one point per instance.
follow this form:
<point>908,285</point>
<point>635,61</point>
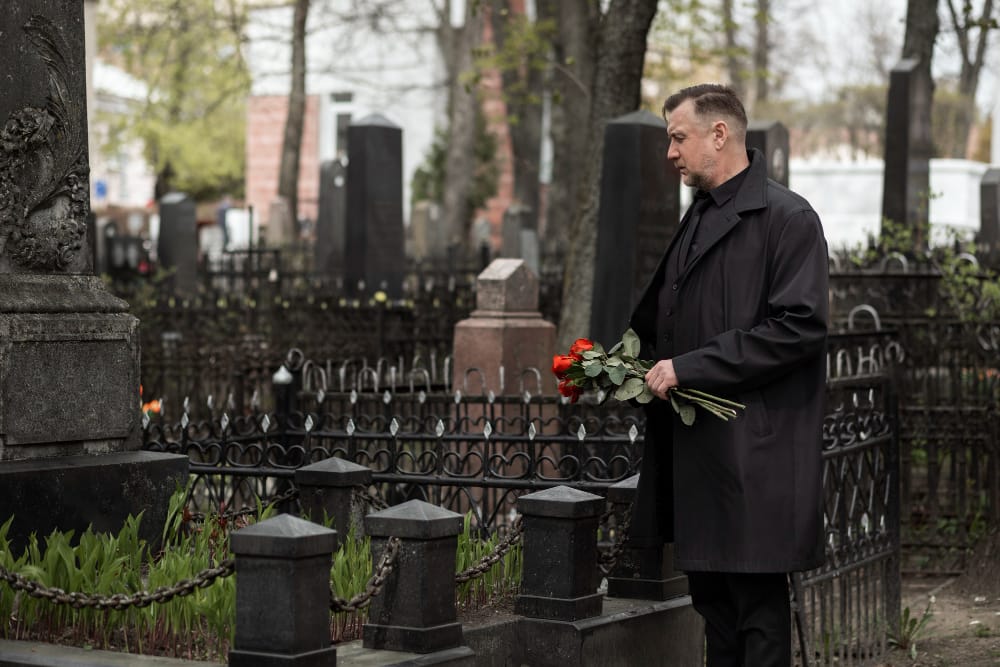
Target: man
<point>737,307</point>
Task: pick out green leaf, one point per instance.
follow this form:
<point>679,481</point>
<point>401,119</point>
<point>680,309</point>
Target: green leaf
<point>687,414</point>
<point>614,350</point>
<point>598,348</point>
<point>593,370</point>
<point>591,354</point>
<point>630,344</point>
<point>646,396</point>
<point>629,389</point>
<point>616,373</point>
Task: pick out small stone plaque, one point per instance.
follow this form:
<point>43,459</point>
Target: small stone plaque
<point>60,391</point>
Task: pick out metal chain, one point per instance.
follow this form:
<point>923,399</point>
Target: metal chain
<point>487,562</point>
<point>370,496</point>
<point>381,572</point>
<point>607,561</point>
<point>118,601</point>
<point>290,494</point>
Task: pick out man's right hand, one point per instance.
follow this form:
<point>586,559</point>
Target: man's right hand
<point>661,378</point>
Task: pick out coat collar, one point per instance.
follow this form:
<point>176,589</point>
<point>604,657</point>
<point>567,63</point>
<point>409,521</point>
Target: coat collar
<point>751,196</point>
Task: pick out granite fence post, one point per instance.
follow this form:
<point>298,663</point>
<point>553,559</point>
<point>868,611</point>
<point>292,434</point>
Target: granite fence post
<point>560,577</point>
<point>643,570</point>
<point>283,594</point>
<point>415,611</point>
<point>327,488</point>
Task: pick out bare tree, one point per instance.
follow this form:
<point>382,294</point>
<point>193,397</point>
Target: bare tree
<point>291,148</point>
<point>734,62</point>
<point>972,50</point>
<point>762,52</point>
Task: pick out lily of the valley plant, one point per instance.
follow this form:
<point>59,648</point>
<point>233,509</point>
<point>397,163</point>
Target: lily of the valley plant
<point>620,373</point>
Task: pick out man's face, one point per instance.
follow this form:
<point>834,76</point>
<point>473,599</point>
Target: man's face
<point>692,146</point>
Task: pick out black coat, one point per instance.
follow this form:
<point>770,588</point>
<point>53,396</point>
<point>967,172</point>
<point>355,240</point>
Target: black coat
<point>751,326</point>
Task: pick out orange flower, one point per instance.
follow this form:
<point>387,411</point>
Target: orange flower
<point>152,407</point>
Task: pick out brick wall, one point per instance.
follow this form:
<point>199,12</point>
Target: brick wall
<point>265,132</point>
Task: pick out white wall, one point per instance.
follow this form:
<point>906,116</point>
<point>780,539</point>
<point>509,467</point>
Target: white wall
<point>848,197</point>
<point>391,67</point>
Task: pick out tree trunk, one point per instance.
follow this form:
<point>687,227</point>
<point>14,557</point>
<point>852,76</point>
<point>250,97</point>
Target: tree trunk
<point>524,112</point>
<point>460,159</point>
<point>922,28</point>
<point>574,60</point>
<point>761,52</point>
<point>621,47</point>
<point>291,148</point>
<point>734,63</point>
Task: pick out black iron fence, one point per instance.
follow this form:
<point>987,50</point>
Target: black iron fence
<point>477,451</point>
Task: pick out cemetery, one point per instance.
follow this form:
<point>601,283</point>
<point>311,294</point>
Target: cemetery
<point>350,448</point>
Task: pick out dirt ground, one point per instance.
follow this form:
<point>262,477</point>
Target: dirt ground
<point>963,627</point>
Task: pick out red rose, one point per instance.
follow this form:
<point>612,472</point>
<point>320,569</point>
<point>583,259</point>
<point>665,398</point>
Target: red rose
<point>580,346</point>
<point>561,364</point>
<point>567,388</point>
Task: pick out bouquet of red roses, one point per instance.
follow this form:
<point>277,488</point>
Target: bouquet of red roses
<point>620,373</point>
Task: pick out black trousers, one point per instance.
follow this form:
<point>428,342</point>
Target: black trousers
<point>747,618</point>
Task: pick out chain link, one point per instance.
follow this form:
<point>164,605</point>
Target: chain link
<point>381,572</point>
<point>607,561</point>
<point>369,496</point>
<point>487,562</point>
<point>290,494</point>
<point>118,601</point>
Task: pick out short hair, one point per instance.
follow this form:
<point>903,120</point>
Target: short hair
<point>710,98</point>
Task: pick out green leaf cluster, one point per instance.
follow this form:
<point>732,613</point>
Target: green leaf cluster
<point>189,56</point>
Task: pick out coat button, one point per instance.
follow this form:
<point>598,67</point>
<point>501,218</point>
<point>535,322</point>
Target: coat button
<point>666,337</point>
<point>674,287</point>
<point>669,312</point>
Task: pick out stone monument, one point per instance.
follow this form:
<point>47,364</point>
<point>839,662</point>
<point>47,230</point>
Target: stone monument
<point>69,350</point>
<point>374,243</point>
<point>331,222</point>
<point>906,181</point>
<point>989,212</point>
<point>640,211</point>
<point>177,245</point>
<point>770,137</point>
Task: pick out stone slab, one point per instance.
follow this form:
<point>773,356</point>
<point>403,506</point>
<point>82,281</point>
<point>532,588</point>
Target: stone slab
<point>356,655</point>
<point>37,654</point>
<point>417,640</point>
<point>326,657</point>
<point>72,492</point>
<point>69,384</point>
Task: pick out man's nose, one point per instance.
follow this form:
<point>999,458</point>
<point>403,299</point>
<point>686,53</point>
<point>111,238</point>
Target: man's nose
<point>672,153</point>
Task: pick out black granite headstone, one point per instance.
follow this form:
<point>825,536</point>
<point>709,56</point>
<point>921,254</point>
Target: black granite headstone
<point>770,137</point>
<point>177,247</point>
<point>331,219</point>
<point>519,235</point>
<point>989,211</point>
<point>640,211</point>
<point>374,241</point>
<point>906,182</point>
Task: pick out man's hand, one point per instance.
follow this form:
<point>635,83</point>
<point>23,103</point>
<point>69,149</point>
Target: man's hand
<point>661,378</point>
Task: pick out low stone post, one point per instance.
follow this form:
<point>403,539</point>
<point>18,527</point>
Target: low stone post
<point>283,594</point>
<point>643,570</point>
<point>416,609</point>
<point>560,576</point>
<point>327,488</point>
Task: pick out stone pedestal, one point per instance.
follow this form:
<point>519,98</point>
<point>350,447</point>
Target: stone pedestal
<point>69,350</point>
<point>506,330</point>
<point>283,594</point>
<point>643,571</point>
<point>560,576</point>
<point>326,489</point>
<point>416,609</point>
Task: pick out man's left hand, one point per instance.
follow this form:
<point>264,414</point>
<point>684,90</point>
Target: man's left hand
<point>661,378</point>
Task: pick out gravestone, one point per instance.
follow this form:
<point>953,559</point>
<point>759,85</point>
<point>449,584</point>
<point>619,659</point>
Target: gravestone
<point>639,213</point>
<point>69,350</point>
<point>177,245</point>
<point>770,137</point>
<point>280,229</point>
<point>374,243</point>
<point>519,236</point>
<point>906,180</point>
<point>989,211</point>
<point>428,235</point>
<point>331,219</point>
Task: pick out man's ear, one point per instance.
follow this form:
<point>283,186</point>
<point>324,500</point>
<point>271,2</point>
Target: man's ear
<point>720,134</point>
